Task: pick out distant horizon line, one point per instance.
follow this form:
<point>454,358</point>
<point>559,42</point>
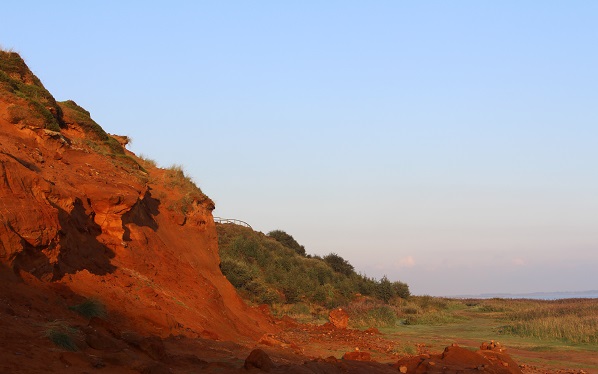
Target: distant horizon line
<point>533,295</point>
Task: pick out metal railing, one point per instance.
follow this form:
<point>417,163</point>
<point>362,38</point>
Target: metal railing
<point>233,221</point>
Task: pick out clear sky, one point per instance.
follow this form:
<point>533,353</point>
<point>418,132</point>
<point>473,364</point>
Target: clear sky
<point>450,145</point>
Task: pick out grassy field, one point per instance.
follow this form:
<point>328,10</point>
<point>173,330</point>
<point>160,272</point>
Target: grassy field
<point>558,334</point>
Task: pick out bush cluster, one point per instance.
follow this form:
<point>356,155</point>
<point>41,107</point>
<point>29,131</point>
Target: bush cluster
<point>273,269</point>
<point>287,240</point>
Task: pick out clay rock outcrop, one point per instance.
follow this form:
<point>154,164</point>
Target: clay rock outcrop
<point>492,346</point>
<point>77,209</point>
<point>456,359</point>
<point>338,318</point>
<point>258,359</point>
<point>357,356</point>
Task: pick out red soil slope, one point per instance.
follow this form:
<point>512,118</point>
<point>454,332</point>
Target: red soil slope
<point>102,227</point>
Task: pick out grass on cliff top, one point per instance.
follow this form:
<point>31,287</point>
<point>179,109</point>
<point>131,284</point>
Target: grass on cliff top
<point>175,178</point>
<point>83,118</point>
<point>18,81</point>
<point>77,115</point>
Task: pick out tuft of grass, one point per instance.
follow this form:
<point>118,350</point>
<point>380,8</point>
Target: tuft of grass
<point>147,162</point>
<point>301,312</point>
<point>409,350</point>
<point>90,308</point>
<point>370,312</point>
<point>177,179</point>
<point>62,335</point>
<point>383,316</point>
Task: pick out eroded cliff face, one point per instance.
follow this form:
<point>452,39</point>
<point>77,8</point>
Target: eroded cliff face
<point>77,209</point>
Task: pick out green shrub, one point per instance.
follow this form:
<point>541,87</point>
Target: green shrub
<point>238,273</point>
<point>366,286</point>
<point>62,335</point>
<point>90,308</point>
<point>383,316</point>
<point>370,312</point>
<point>339,264</point>
<point>384,290</point>
<point>250,256</point>
<point>287,240</point>
<point>401,289</point>
<point>270,296</point>
<point>414,309</point>
<point>300,309</point>
<point>292,293</point>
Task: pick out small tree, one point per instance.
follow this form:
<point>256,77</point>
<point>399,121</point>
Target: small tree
<point>339,264</point>
<point>287,240</point>
<point>384,290</point>
<point>401,289</point>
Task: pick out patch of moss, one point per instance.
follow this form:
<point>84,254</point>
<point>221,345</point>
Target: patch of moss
<point>76,114</point>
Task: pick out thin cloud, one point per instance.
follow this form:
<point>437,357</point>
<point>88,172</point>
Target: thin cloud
<point>518,261</point>
<point>406,262</point>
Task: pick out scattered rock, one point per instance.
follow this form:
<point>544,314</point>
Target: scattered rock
<point>357,356</point>
<point>492,346</point>
<point>264,308</point>
<point>269,341</point>
<point>289,321</point>
<point>258,359</point>
<point>372,331</point>
<point>455,358</point>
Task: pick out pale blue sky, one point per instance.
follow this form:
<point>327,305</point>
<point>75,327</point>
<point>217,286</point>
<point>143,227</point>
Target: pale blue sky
<point>451,145</point>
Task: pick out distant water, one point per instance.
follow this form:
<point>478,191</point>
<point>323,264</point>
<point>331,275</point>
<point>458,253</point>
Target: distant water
<point>537,295</point>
